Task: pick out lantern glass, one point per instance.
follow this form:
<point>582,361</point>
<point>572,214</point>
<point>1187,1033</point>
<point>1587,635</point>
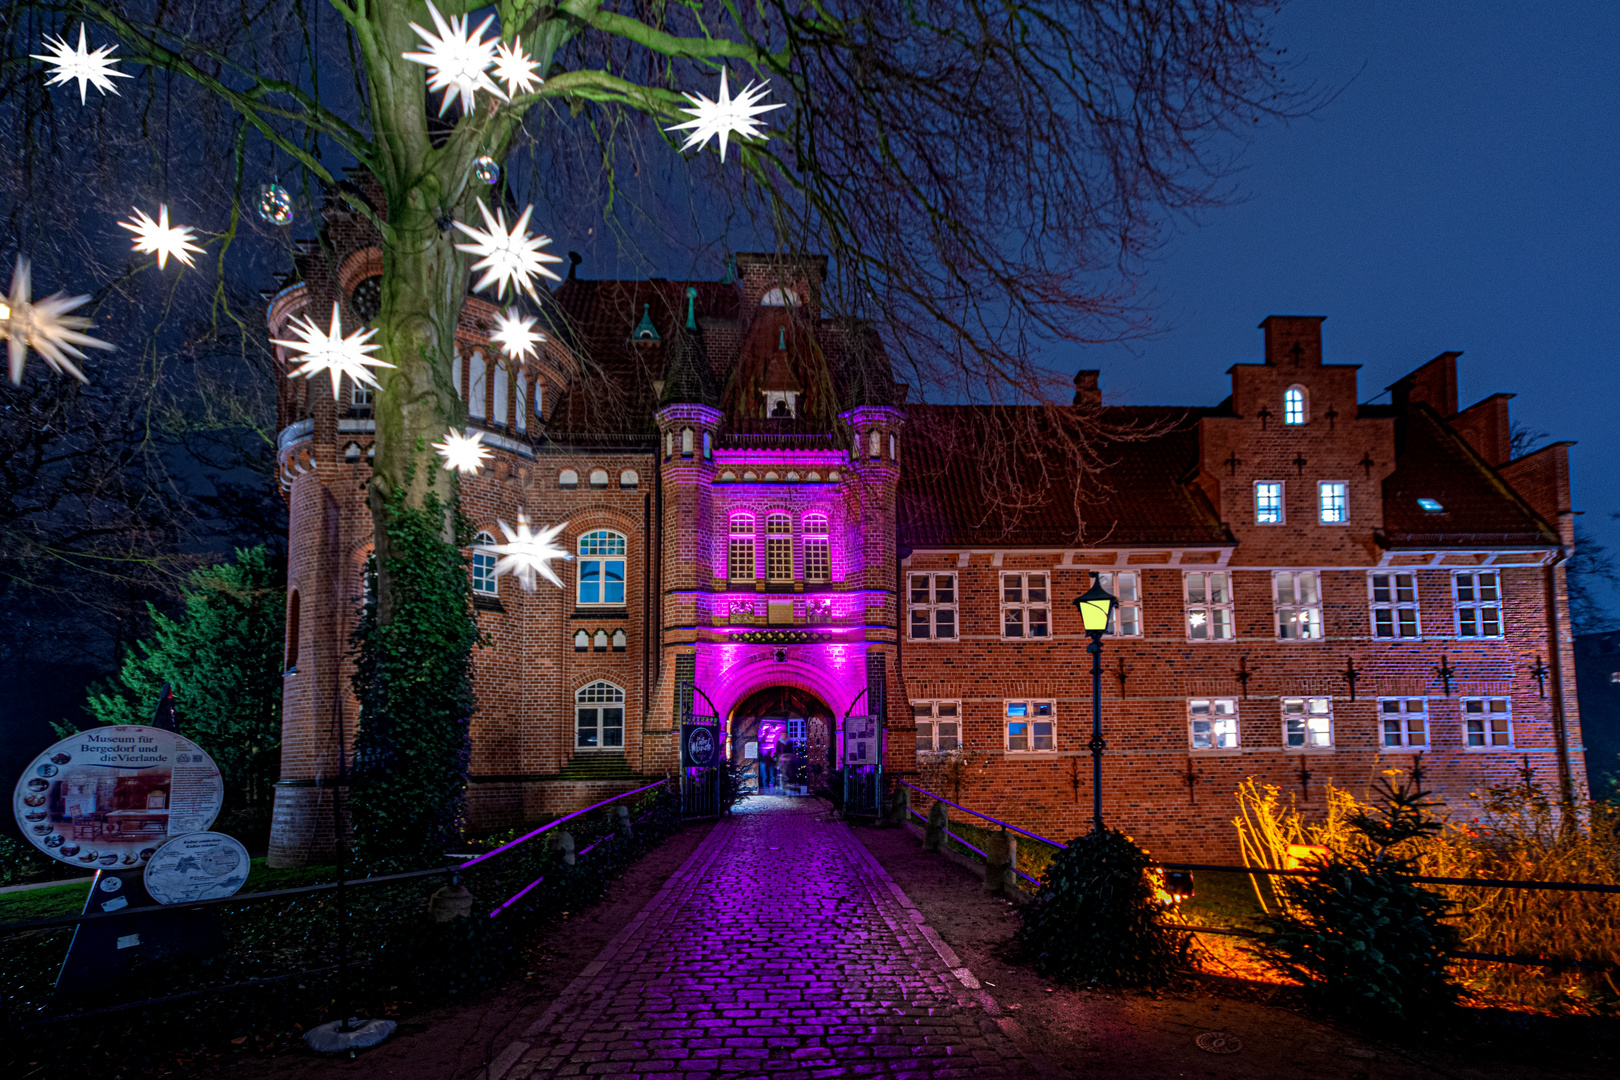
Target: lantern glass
<point>1096,607</point>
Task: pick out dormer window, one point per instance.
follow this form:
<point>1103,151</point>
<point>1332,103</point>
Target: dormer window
<point>781,404</point>
<point>645,331</point>
<point>1294,405</point>
<point>1431,506</point>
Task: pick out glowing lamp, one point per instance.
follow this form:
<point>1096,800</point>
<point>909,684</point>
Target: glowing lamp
<point>1096,606</point>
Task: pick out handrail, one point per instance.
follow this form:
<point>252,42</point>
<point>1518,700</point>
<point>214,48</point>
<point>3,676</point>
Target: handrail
<point>987,817</point>
<point>559,821</point>
<point>985,855</point>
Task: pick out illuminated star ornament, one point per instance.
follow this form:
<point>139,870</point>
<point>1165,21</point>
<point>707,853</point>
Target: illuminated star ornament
<point>515,334</point>
<point>464,453</point>
<point>45,326</point>
<point>725,117</point>
<point>97,69</point>
<point>456,59</point>
<point>514,68</point>
<point>160,239</point>
<point>526,552</point>
<point>510,258</point>
<point>333,353</point>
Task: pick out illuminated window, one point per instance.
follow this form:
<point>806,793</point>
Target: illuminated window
<point>1030,727</point>
<point>1268,503</point>
<point>778,548</point>
<point>1307,722</point>
<point>1209,606</point>
<point>1333,502</point>
<point>1479,604</point>
<point>933,606</point>
<point>601,568</point>
<point>483,567</point>
<point>1394,605</point>
<point>1127,589</point>
<point>1299,605</point>
<point>1487,723</point>
<point>1213,723</point>
<point>1294,405</point>
<point>939,726</point>
<point>1024,606</point>
<point>740,549</point>
<point>1404,723</point>
<point>817,550</point>
<point>599,717</point>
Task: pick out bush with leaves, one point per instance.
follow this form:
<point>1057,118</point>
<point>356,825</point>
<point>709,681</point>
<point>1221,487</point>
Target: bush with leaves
<point>1095,919</point>
<point>1367,943</point>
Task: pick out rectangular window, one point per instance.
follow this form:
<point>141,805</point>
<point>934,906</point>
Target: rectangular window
<point>1299,605</point>
<point>1127,588</point>
<point>939,726</point>
<point>1333,502</point>
<point>1487,723</point>
<point>817,551</point>
<point>1030,727</point>
<point>1479,604</point>
<point>933,606</point>
<point>1394,605</point>
<point>1307,722</point>
<point>1268,503</point>
<point>360,397</point>
<point>1404,723</point>
<point>740,550</point>
<point>1213,723</point>
<point>601,579</point>
<point>1024,607</point>
<point>779,548</point>
<point>1209,606</point>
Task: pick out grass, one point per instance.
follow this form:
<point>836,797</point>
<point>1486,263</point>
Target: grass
<point>43,903</point>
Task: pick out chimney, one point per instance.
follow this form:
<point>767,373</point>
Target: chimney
<point>1086,390</point>
<point>1293,340</point>
<point>1485,426</point>
<point>1434,384</point>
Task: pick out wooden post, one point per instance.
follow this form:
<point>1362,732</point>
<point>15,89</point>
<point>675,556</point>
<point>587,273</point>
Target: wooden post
<point>995,867</point>
<point>1011,879</point>
<point>938,821</point>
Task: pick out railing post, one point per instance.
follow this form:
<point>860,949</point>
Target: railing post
<point>900,807</point>
<point>995,864</point>
<point>938,821</point>
<point>565,844</point>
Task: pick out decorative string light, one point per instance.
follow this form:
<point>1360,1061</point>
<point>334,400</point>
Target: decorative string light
<point>45,326</point>
<point>331,352</point>
<point>527,552</point>
<point>724,117</point>
<point>463,453</point>
<point>456,59</point>
<point>516,335</point>
<point>160,238</point>
<point>97,69</point>
<point>510,258</point>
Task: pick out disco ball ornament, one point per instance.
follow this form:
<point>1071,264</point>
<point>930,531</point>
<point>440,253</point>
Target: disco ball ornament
<point>487,170</point>
<point>275,204</point>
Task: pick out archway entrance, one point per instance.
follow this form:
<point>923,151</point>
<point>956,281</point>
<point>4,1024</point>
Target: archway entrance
<point>783,737</point>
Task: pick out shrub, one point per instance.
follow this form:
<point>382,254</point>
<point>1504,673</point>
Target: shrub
<point>1095,919</point>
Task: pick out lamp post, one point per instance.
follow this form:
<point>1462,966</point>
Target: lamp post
<point>1096,606</point>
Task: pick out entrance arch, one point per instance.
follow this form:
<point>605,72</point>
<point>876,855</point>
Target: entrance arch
<point>789,725</point>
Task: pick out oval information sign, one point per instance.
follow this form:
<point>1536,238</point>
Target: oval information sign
<point>197,866</point>
<point>107,798</point>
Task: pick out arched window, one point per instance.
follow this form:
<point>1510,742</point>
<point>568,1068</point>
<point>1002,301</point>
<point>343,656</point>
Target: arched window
<point>599,717</point>
<point>601,568</point>
<point>477,407</point>
<point>708,447</point>
<point>568,479</point>
<point>539,400</point>
<point>629,480</point>
<point>582,641</point>
<point>1294,405</point>
<point>686,442</point>
<point>894,448</point>
<point>483,567</point>
<point>778,547</point>
<point>522,411</point>
<point>498,414</point>
<point>292,631</point>
<point>740,548</point>
<point>619,640</point>
<point>599,479</point>
<point>780,298</point>
<point>455,372</point>
<point>874,444</point>
<point>669,444</point>
<point>817,550</point>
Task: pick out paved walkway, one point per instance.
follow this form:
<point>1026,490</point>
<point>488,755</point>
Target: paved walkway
<point>780,949</point>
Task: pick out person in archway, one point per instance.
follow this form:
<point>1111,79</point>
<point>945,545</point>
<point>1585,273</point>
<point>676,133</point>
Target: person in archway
<point>789,766</point>
<point>767,765</point>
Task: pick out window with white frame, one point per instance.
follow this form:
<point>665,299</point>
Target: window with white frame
<point>483,567</point>
<point>1404,723</point>
<point>1025,609</point>
<point>1126,585</point>
<point>939,726</point>
<point>933,606</point>
<point>1307,722</point>
<point>1030,727</point>
<point>778,547</point>
<point>601,568</point>
<point>1299,604</point>
<point>1209,605</point>
<point>360,397</point>
<point>1268,502</point>
<point>740,564</point>
<point>1487,723</point>
<point>817,549</point>
<point>1333,502</point>
<point>1294,405</point>
<point>1212,723</point>
<point>1394,605</point>
<point>599,717</point>
<point>1479,604</point>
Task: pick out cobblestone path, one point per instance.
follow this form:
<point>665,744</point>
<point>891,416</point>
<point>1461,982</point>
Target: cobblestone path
<point>780,949</point>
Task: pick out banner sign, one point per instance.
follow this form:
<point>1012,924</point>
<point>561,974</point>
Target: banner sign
<point>107,798</point>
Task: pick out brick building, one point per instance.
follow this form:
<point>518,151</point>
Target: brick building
<point>1312,589</point>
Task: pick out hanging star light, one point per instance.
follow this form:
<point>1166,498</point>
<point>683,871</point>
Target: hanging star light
<point>515,334</point>
<point>510,258</point>
<point>45,326</point>
<point>160,239</point>
<point>464,453</point>
<point>526,552</point>
<point>724,117</point>
<point>333,353</point>
<point>514,68</point>
<point>97,69</point>
<point>456,59</point>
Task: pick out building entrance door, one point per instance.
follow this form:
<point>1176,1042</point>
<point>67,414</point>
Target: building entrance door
<point>782,739</point>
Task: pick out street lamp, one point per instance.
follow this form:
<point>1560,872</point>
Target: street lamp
<point>1096,606</point>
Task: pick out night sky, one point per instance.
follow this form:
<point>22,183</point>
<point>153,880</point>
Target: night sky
<point>1459,193</point>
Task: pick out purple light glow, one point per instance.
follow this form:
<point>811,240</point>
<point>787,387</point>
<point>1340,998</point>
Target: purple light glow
<point>553,825</point>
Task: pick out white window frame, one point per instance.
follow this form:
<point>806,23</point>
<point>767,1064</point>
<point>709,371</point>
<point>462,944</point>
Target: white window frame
<point>1313,716</point>
<point>599,697</point>
<point>1126,585</point>
<point>1038,714</point>
<point>1216,614</point>
<point>817,550</point>
<point>740,553</point>
<point>1400,615</point>
<point>1265,514</point>
<point>1291,396</point>
<point>1026,605</point>
<point>482,567</point>
<point>1473,612</point>
<point>1297,598</point>
<point>1402,715</point>
<point>1478,713</point>
<point>1219,717</point>
<point>603,549</point>
<point>930,606</point>
<point>933,716</point>
<point>361,396</point>
<point>779,547</point>
<point>1338,511</point>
